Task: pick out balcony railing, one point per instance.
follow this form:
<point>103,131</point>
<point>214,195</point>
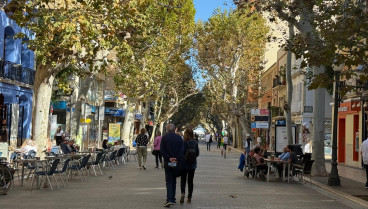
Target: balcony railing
<point>15,72</point>
<point>277,82</point>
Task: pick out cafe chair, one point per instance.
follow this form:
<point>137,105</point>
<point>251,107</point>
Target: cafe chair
<point>79,166</point>
<point>48,172</point>
<point>305,168</point>
<point>121,156</point>
<point>63,171</point>
<point>131,152</point>
<point>97,163</point>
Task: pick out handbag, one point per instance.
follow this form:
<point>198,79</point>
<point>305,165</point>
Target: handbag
<point>134,143</point>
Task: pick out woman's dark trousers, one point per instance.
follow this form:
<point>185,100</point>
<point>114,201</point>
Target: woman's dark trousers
<point>190,175</point>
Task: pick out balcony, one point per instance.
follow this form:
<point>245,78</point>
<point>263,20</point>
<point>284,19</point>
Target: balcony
<point>277,82</point>
<point>16,73</point>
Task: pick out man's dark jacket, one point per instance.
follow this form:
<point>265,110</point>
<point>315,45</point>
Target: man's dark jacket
<point>172,146</point>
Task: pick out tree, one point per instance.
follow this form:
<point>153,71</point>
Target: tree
<point>159,61</point>
<point>79,33</point>
<point>330,33</point>
<point>229,50</point>
<point>301,15</point>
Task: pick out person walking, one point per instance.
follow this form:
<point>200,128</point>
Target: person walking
<point>219,138</point>
<point>156,148</point>
<point>364,153</point>
<point>142,141</point>
<point>191,151</point>
<point>59,136</point>
<point>172,150</point>
<point>246,144</point>
<point>224,145</point>
<point>208,141</point>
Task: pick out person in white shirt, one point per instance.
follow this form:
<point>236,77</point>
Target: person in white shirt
<point>225,142</point>
<point>364,153</point>
<point>208,141</point>
<point>59,136</point>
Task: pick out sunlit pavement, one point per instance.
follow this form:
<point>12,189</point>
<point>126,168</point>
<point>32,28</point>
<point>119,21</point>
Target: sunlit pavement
<point>218,184</point>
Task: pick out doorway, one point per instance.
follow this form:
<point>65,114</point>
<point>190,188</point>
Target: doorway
<point>341,140</point>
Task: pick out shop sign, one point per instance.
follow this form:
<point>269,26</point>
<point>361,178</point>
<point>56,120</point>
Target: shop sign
<point>114,112</point>
<point>281,122</point>
<point>138,116</point>
<point>343,109</point>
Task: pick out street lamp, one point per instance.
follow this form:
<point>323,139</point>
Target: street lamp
<point>334,179</point>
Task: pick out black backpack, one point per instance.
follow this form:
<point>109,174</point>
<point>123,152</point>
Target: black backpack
<point>191,154</point>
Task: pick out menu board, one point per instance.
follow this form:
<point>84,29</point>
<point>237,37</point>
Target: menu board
<point>281,139</point>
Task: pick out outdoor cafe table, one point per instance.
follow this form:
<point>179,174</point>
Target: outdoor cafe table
<point>284,164</point>
<point>23,161</point>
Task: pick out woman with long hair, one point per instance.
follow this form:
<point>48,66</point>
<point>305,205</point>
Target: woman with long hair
<point>156,149</point>
<point>191,152</point>
<point>142,141</point>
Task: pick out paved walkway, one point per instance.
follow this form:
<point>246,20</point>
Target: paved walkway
<point>218,184</point>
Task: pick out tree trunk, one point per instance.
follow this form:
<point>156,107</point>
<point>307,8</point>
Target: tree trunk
<point>42,90</point>
<point>162,127</point>
<point>239,133</point>
<point>319,168</point>
<point>289,80</point>
<point>128,122</point>
<point>82,95</point>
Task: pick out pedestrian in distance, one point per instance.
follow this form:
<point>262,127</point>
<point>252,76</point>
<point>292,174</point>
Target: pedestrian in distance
<point>156,149</point>
<point>208,138</point>
<point>172,150</point>
<point>219,138</point>
<point>191,152</point>
<point>364,153</point>
<point>224,145</point>
<point>142,141</point>
<point>59,136</point>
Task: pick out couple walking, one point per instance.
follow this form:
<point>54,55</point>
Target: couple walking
<point>179,160</point>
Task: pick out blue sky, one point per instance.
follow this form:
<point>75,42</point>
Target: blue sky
<point>204,8</point>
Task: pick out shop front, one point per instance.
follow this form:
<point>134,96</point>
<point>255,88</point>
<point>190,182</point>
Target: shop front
<point>349,133</point>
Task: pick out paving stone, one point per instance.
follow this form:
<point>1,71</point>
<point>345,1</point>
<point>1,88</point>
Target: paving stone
<point>216,182</point>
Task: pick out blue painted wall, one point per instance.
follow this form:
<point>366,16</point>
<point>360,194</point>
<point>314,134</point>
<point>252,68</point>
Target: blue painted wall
<point>17,52</point>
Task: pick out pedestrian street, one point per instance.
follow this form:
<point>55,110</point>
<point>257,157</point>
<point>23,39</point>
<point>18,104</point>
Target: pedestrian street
<point>217,184</point>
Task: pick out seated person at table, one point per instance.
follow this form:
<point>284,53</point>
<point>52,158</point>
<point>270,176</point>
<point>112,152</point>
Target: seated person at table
<point>119,144</point>
<point>72,147</point>
<point>65,148</point>
<point>24,150</point>
<point>260,163</point>
<point>105,145</point>
<point>285,155</point>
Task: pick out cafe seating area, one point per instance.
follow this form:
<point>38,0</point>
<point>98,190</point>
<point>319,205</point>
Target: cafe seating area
<point>56,171</point>
<point>290,171</point>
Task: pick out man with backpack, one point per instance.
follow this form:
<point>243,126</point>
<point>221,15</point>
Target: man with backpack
<point>191,152</point>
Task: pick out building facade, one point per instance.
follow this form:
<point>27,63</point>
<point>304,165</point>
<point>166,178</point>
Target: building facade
<point>17,74</point>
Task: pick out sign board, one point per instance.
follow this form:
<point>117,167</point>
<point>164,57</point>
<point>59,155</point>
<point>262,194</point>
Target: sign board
<point>259,125</point>
<point>281,139</point>
<point>260,118</point>
<point>281,122</point>
<point>259,112</point>
<point>255,111</point>
<point>114,132</point>
<point>308,109</point>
